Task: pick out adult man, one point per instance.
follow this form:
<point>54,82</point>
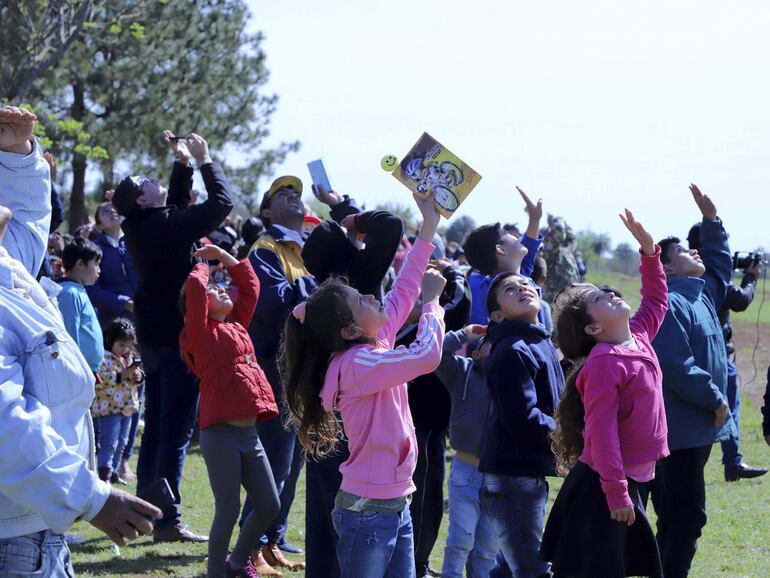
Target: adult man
<point>161,231</point>
<point>47,477</point>
<point>692,356</point>
<point>284,282</point>
<point>736,299</point>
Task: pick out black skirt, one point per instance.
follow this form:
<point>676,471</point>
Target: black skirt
<point>582,541</point>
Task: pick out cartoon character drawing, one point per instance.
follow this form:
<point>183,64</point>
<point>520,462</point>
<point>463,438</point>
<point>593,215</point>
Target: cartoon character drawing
<point>430,175</point>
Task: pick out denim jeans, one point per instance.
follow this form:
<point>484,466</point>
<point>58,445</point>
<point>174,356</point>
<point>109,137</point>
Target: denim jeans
<point>374,544</point>
<point>516,506</point>
<point>470,530</point>
<point>731,454</point>
<point>42,555</point>
<point>113,436</point>
<point>171,402</point>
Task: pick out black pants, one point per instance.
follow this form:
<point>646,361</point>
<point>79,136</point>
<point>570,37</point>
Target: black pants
<point>323,480</point>
<point>427,507</point>
<point>679,497</point>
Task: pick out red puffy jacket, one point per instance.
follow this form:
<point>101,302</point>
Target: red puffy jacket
<point>233,385</point>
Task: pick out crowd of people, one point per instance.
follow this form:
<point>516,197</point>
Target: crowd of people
<point>354,347</point>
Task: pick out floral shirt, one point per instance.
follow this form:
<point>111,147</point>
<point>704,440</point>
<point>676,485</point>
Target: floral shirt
<point>115,394</point>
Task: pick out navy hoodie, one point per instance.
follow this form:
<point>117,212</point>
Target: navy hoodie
<point>525,382</point>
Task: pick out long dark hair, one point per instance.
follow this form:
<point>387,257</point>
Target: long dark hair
<point>305,354</point>
<point>571,320</point>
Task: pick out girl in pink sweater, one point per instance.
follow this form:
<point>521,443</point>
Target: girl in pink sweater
<point>611,426</point>
<point>338,357</point>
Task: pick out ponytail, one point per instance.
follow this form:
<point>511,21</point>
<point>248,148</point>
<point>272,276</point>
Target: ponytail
<point>305,355</point>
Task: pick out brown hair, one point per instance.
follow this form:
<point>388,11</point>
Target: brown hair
<point>571,319</point>
<point>305,354</point>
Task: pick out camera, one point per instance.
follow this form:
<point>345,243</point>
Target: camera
<point>744,260</point>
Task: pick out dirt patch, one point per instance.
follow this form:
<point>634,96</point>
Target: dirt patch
<point>745,338</point>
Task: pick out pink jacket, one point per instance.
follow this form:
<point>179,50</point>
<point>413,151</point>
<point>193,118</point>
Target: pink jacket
<point>625,419</point>
<point>367,385</point>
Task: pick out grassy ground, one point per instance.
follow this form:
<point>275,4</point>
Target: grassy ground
<point>735,543</point>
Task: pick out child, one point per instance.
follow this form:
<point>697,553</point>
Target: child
<point>525,382</point>
<point>612,417</point>
<point>470,532</point>
<point>338,354</point>
<point>81,265</point>
<point>117,398</point>
<point>235,395</point>
<point>492,250</point>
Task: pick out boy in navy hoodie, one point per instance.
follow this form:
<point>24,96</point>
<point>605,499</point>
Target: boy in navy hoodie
<point>525,382</point>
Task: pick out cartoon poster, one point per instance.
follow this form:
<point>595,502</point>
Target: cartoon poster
<point>431,167</point>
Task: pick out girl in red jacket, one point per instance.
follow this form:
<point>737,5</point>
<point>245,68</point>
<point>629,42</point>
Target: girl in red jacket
<point>612,418</point>
<point>235,395</point>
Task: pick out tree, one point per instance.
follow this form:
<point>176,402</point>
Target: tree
<point>459,227</point>
<point>593,246</point>
<point>199,72</point>
<point>625,259</point>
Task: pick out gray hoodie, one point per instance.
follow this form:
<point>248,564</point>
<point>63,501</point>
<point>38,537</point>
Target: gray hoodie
<point>470,395</point>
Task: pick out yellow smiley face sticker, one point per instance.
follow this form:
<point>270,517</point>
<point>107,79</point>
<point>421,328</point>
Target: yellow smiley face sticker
<point>388,163</point>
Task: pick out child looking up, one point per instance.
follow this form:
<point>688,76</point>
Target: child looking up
<point>235,395</point>
<point>338,355</point>
<point>117,398</point>
<point>612,418</point>
<point>525,382</point>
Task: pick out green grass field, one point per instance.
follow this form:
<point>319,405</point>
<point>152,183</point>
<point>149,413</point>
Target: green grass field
<point>735,543</point>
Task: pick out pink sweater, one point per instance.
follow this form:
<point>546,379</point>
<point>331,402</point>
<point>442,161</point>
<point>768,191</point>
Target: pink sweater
<point>625,419</point>
<point>367,385</point>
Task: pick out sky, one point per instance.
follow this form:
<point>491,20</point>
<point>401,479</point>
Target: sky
<point>591,106</point>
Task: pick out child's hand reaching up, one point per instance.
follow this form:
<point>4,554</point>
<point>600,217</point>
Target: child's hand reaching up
<point>475,332</point>
<point>430,218</point>
<point>432,285</point>
<point>707,207</point>
<point>624,515</point>
<point>535,212</point>
<point>214,253</point>
<point>640,234</point>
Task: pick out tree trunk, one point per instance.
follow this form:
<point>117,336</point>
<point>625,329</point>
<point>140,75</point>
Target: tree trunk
<point>78,214</point>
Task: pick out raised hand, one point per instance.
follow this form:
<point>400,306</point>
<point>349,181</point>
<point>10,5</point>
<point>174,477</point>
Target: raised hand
<point>707,207</point>
<point>331,198</point>
<point>199,148</point>
<point>16,127</point>
<point>51,163</point>
<point>178,146</point>
<point>430,217</point>
<point>534,210</point>
<point>433,284</point>
<point>214,253</point>
<point>645,240</point>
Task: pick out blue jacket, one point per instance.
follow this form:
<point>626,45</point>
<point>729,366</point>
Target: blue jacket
<point>480,284</point>
<point>117,281</point>
<point>283,283</point>
<point>691,348</point>
<point>81,322</point>
<point>525,381</point>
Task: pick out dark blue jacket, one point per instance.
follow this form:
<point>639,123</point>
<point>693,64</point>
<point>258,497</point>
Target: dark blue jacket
<point>117,281</point>
<point>691,348</point>
<point>526,383</point>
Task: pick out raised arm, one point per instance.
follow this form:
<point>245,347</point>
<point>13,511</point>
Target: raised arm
<point>714,249</point>
<point>196,301</point>
<point>532,238</point>
<point>383,232</point>
<point>247,282</point>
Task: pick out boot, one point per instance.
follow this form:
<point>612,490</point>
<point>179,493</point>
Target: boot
<point>261,565</point>
<point>275,557</point>
<point>105,474</point>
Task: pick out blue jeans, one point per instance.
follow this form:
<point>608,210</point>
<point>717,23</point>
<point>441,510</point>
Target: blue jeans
<point>470,530</point>
<point>42,555</point>
<point>113,435</point>
<point>374,544</point>
<point>171,402</point>
<point>731,454</point>
<point>516,506</point>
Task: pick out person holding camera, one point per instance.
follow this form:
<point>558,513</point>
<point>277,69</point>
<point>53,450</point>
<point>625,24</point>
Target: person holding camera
<point>737,299</point>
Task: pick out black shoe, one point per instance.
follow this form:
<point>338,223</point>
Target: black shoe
<point>743,471</point>
<point>178,533</point>
<point>427,572</point>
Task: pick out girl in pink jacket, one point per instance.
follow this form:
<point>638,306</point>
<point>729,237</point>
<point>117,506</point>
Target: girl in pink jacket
<point>612,418</point>
<point>338,358</point>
